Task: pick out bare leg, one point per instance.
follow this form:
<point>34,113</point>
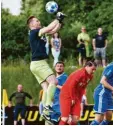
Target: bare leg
<point>23,121</point>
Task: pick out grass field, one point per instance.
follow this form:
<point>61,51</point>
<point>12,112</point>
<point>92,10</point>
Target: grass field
<point>16,73</point>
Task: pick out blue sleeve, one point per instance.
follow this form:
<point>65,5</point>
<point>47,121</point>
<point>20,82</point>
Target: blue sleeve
<point>108,72</point>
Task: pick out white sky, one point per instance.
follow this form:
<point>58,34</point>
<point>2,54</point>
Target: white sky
<point>13,5</point>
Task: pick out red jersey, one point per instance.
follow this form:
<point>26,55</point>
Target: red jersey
<point>75,85</point>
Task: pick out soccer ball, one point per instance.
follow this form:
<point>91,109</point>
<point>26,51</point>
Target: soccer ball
<point>51,7</point>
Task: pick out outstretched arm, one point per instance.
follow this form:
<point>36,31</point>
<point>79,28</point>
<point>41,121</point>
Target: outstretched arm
<point>51,28</point>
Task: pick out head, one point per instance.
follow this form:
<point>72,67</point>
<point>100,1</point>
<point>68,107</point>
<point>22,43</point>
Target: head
<point>59,67</point>
<point>90,67</point>
<point>33,23</point>
<point>56,35</point>
<point>19,88</point>
<point>100,31</point>
<point>83,29</point>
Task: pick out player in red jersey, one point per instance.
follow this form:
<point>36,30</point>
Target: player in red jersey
<point>72,92</point>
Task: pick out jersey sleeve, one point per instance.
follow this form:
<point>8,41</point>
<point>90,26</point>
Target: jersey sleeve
<point>108,72</point>
<point>28,95</point>
<point>10,98</point>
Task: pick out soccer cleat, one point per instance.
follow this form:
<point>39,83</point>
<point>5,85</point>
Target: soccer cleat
<point>60,16</point>
<point>48,119</point>
<point>48,108</point>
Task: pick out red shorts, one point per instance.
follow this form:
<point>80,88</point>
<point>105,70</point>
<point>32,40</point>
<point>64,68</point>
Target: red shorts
<point>67,109</point>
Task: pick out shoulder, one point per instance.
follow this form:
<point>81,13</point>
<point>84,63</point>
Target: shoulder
<point>108,70</point>
<point>79,72</point>
<point>35,31</point>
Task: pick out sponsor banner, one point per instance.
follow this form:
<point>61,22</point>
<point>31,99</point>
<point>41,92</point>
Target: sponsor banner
<point>32,116</point>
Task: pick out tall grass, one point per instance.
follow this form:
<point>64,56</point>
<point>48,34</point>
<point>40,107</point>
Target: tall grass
<point>19,73</point>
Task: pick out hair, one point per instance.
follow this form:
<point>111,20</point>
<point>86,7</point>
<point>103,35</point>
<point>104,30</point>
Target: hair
<point>54,36</point>
<point>90,64</point>
<point>60,62</point>
<point>30,19</point>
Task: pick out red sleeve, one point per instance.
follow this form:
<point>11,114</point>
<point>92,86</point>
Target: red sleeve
<point>73,82</point>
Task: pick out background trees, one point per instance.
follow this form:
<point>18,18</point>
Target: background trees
<point>91,13</point>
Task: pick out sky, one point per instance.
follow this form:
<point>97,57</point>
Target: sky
<point>13,5</point>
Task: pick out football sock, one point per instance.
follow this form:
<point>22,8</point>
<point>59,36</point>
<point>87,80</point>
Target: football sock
<point>50,94</point>
<point>44,97</point>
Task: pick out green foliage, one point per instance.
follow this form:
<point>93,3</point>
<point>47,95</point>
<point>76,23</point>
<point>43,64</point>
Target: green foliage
<point>91,13</point>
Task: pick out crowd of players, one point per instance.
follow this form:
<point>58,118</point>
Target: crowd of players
<point>62,95</point>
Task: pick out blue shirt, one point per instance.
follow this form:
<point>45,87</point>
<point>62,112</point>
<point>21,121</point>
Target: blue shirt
<point>108,73</point>
<point>56,43</point>
<point>61,80</point>
<point>37,45</point>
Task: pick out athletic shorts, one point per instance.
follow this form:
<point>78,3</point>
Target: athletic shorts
<point>19,109</point>
<point>41,70</point>
<point>103,102</point>
<point>67,109</point>
<point>100,53</point>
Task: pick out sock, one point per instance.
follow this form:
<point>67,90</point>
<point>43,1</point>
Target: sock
<point>95,123</point>
<point>104,122</point>
<point>62,122</point>
<point>44,96</point>
<point>50,94</point>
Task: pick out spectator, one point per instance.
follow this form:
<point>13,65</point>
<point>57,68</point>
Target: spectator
<point>20,106</point>
<point>84,40</point>
<point>55,47</point>
<point>99,47</point>
<point>61,76</point>
<point>72,92</point>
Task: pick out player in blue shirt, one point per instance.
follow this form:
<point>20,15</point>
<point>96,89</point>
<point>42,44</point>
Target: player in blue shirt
<point>61,76</point>
<point>103,98</point>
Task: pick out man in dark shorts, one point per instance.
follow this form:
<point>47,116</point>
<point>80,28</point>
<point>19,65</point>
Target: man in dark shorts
<point>20,106</point>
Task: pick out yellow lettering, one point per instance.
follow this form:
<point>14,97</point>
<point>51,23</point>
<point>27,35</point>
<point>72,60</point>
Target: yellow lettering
<point>91,116</point>
<point>19,116</point>
<point>112,117</point>
<point>34,117</point>
<point>85,116</point>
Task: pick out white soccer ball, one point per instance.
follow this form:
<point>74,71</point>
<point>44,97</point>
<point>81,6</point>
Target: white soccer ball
<point>51,7</point>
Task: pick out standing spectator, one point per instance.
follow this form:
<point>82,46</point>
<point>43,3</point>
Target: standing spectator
<point>20,106</point>
<point>61,76</point>
<point>72,92</point>
<point>103,98</point>
<point>99,46</point>
<point>55,47</point>
<point>39,66</point>
<point>84,40</point>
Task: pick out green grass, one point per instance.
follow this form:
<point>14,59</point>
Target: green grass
<point>19,73</point>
